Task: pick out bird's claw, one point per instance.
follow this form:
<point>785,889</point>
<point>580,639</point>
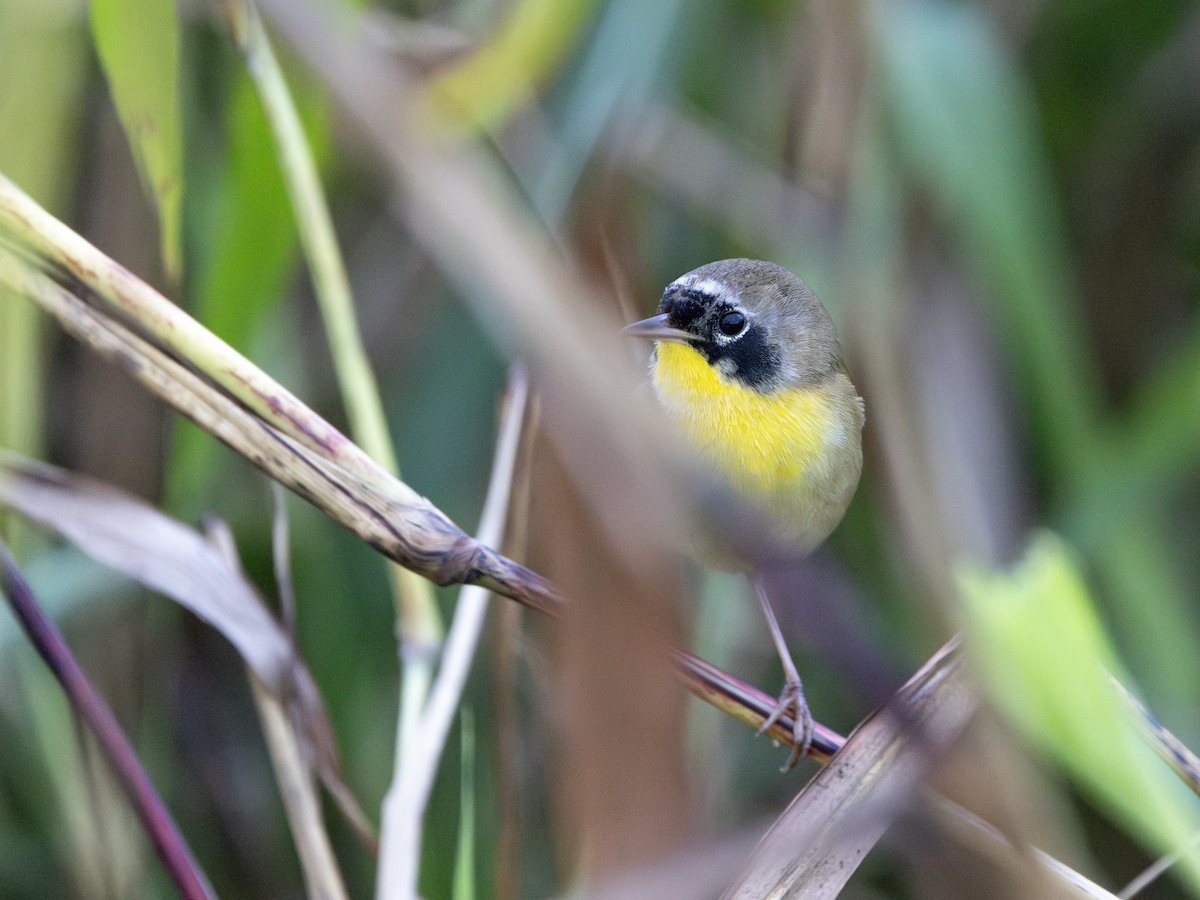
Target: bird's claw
<point>791,698</point>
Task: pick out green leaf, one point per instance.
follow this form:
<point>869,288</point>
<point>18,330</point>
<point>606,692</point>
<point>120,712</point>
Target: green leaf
<point>1046,659</point>
<point>138,45</point>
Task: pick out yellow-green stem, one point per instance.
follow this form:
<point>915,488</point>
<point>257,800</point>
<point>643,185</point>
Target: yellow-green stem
<point>418,620</point>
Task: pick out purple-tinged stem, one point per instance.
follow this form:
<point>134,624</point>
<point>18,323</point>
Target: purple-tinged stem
<point>94,711</point>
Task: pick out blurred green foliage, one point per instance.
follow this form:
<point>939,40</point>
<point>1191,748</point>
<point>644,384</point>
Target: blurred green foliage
<point>1047,661</point>
<point>999,203</point>
<point>137,43</point>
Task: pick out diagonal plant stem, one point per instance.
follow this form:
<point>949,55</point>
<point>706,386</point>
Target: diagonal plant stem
<point>1182,760</point>
<point>331,473</point>
<point>50,244</point>
<point>87,703</point>
<point>749,705</point>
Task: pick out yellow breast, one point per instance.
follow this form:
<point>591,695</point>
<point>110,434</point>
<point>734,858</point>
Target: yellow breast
<point>796,451</point>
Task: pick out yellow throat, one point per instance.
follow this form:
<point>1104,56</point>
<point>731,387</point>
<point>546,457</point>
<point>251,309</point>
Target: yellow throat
<point>794,451</point>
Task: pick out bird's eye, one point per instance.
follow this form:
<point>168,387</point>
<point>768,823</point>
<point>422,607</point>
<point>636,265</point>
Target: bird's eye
<point>732,324</point>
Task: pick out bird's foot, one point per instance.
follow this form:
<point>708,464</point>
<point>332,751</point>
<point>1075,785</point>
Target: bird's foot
<point>791,699</point>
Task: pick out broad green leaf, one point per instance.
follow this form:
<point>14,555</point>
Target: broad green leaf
<point>1046,659</point>
<point>137,42</point>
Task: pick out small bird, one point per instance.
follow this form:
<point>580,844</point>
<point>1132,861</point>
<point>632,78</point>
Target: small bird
<point>748,366</point>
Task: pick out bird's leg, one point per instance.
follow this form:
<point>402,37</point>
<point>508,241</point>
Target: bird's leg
<point>792,695</point>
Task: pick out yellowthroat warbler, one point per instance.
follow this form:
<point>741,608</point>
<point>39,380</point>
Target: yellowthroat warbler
<point>748,366</point>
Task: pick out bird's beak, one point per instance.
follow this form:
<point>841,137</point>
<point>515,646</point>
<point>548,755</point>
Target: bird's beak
<point>656,328</point>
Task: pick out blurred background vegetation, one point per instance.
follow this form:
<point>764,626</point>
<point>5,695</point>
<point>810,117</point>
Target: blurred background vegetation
<point>1000,205</point>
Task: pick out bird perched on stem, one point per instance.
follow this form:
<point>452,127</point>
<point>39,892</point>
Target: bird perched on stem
<point>748,366</point>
